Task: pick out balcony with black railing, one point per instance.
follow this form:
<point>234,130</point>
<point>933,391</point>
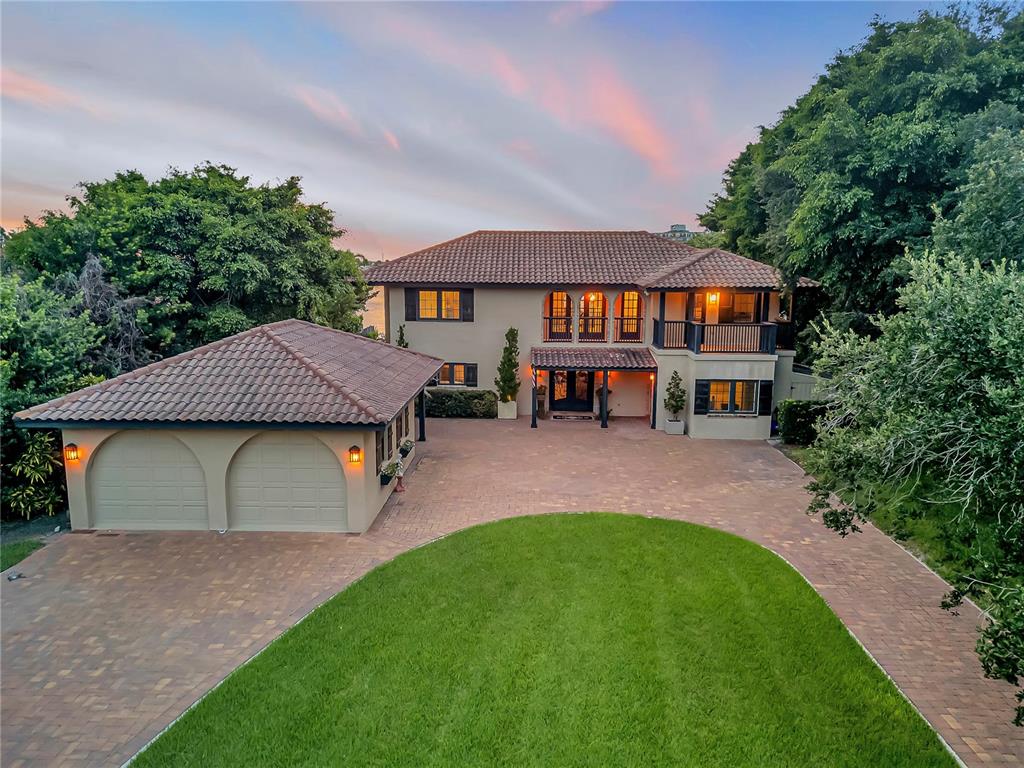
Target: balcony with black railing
<point>558,329</point>
<point>628,330</point>
<point>593,329</point>
<point>721,337</point>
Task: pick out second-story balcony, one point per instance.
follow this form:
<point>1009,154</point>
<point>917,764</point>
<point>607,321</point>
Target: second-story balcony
<point>558,328</point>
<point>629,330</point>
<point>593,328</point>
<point>721,337</point>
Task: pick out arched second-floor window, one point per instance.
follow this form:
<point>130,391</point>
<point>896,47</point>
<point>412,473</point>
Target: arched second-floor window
<point>629,317</point>
<point>557,316</point>
<point>593,316</point>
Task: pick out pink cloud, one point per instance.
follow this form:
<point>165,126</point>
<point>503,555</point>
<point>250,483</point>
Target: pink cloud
<point>524,150</point>
<point>326,106</point>
<point>20,87</point>
<point>567,13</point>
<point>620,111</point>
<point>392,140</point>
<point>470,58</point>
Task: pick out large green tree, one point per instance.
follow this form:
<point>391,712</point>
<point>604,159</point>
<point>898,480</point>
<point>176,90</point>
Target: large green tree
<point>896,131</point>
<point>204,254</point>
<point>927,420</point>
<point>49,343</point>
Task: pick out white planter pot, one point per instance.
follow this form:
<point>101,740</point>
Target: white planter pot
<point>675,426</point>
<point>508,410</point>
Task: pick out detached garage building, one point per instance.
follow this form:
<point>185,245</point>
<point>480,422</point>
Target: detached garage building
<point>285,427</point>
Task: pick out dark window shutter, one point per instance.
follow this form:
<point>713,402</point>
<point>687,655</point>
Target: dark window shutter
<point>764,399</point>
<point>470,374</point>
<point>701,395</point>
<point>412,303</point>
<point>466,302</point>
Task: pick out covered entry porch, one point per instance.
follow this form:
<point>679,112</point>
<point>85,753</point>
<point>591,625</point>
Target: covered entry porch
<point>576,375</point>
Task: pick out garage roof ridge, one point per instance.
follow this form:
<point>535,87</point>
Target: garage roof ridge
<point>323,375</point>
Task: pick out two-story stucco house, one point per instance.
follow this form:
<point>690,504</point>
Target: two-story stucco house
<point>604,319</point>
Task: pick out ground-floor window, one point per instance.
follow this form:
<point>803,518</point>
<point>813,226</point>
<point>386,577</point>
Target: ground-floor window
<point>726,396</point>
<point>457,374</point>
<point>379,445</point>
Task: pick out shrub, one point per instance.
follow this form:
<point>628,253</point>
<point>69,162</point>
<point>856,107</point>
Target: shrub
<point>675,395</point>
<point>797,421</point>
<point>462,404</point>
<point>507,381</point>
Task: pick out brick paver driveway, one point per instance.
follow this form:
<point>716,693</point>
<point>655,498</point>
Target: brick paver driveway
<point>109,638</point>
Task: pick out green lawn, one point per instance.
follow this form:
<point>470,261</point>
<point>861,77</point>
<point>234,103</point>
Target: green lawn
<point>16,551</point>
<point>563,640</point>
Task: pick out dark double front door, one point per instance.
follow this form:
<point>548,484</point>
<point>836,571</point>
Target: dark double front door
<point>571,391</point>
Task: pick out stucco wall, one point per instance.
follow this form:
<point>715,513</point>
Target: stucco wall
<point>495,310</point>
<point>214,449</point>
<point>711,366</point>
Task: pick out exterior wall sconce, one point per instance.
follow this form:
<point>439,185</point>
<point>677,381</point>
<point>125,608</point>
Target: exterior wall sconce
<point>70,452</point>
<point>713,298</point>
<point>355,454</point>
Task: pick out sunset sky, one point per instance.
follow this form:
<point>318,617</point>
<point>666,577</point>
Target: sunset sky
<point>414,122</point>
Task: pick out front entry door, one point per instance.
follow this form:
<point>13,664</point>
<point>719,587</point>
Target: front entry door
<point>572,391</point>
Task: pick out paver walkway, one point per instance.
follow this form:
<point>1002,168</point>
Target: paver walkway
<point>109,638</point>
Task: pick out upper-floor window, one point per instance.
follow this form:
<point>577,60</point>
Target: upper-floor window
<point>439,304</point>
<point>629,324</point>
<point>593,316</point>
<point>743,307</point>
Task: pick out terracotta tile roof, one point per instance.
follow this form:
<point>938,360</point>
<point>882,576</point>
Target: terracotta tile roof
<point>535,258</point>
<point>614,358</point>
<point>574,258</point>
<point>715,268</point>
<point>290,372</point>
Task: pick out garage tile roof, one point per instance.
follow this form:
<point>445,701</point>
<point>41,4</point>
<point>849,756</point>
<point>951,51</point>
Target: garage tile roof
<point>573,258</point>
<point>290,372</point>
<point>613,358</point>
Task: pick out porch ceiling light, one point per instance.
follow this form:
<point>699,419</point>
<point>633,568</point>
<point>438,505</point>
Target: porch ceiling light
<point>70,452</point>
<point>355,454</point>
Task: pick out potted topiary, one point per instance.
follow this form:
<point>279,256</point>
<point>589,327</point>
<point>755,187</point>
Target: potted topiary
<point>507,382</point>
<point>675,403</point>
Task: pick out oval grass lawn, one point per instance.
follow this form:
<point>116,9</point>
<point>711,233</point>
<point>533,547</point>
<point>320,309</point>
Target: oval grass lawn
<point>560,640</point>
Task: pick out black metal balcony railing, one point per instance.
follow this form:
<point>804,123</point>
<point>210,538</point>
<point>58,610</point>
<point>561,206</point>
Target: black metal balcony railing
<point>557,329</point>
<point>593,328</point>
<point>785,337</point>
<point>721,337</point>
<point>629,329</point>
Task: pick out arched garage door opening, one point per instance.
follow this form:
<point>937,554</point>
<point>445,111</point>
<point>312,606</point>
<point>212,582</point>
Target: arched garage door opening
<point>146,480</point>
<point>286,481</point>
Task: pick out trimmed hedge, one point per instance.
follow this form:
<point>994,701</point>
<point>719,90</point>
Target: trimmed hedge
<point>797,419</point>
<point>462,403</point>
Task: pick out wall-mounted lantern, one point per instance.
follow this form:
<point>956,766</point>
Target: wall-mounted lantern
<point>70,452</point>
<point>355,454</point>
<point>713,298</point>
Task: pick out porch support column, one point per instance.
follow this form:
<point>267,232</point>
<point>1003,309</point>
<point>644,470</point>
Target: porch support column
<point>604,400</point>
<point>654,401</point>
<point>533,398</point>
<point>423,416</point>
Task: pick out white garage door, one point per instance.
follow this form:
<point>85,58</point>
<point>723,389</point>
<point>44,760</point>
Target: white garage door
<point>286,481</point>
<point>147,480</point>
